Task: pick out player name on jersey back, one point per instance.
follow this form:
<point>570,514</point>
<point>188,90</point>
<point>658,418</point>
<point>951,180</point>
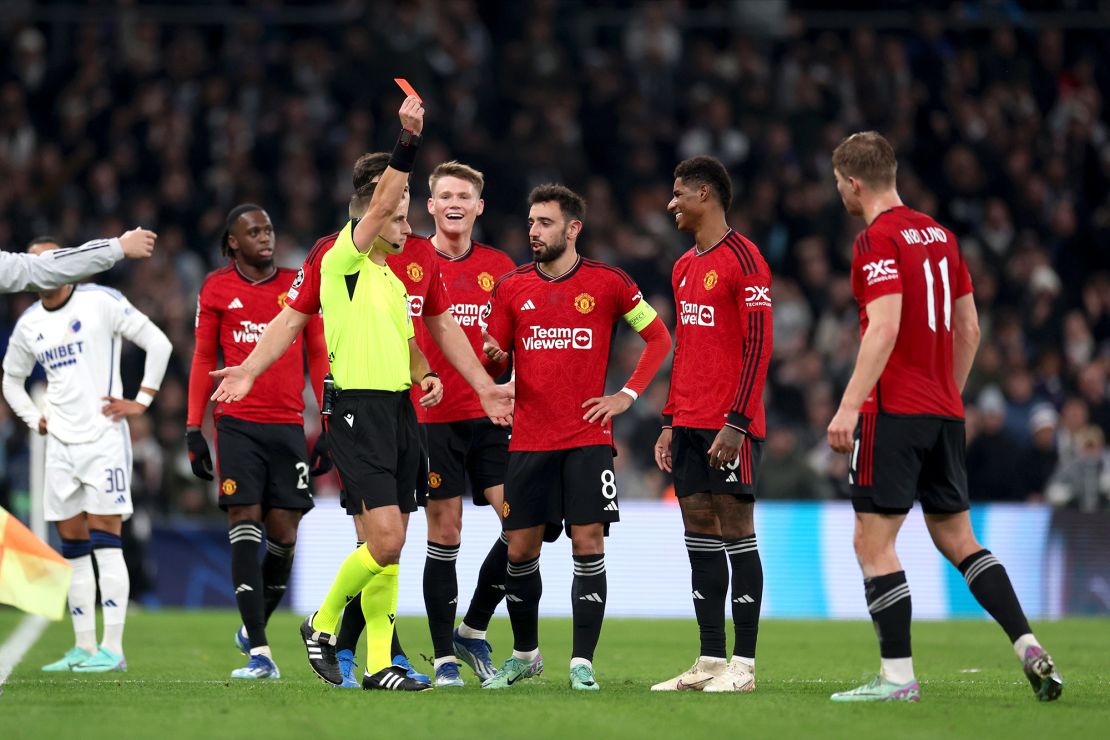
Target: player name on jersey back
<point>906,252</point>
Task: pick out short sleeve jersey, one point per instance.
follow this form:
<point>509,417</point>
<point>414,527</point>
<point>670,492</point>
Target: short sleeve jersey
<point>559,330</point>
<point>904,251</point>
<point>366,319</point>
<point>233,311</point>
<point>469,279</point>
<point>416,266</point>
<point>78,345</point>
<point>723,337</point>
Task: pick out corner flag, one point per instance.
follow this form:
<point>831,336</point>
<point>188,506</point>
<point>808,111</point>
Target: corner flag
<point>33,577</point>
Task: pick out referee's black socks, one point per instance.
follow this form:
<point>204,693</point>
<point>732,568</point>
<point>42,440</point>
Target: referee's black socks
<point>441,596</point>
<point>709,589</point>
<point>991,587</point>
<point>588,593</point>
<point>246,577</point>
<point>523,588</point>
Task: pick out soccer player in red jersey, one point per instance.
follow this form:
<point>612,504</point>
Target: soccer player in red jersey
<point>714,422</point>
<point>902,419</point>
<point>418,268</point>
<point>462,442</point>
<point>556,315</point>
<point>260,443</point>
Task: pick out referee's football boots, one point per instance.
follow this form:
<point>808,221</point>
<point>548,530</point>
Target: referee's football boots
<point>392,678</point>
<point>321,652</point>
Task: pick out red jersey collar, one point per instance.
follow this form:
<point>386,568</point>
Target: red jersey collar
<point>721,241</point>
<point>566,275</point>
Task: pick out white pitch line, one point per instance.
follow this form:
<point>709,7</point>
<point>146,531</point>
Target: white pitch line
<point>16,646</point>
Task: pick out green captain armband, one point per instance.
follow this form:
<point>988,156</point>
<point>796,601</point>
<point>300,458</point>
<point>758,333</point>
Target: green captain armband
<point>641,315</point>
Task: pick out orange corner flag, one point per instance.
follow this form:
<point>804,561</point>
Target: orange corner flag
<point>33,577</point>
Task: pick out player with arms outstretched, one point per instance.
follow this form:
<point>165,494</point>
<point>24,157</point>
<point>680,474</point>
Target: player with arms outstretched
<point>714,422</point>
<point>556,315</point>
<point>260,444</point>
<point>75,333</point>
<point>902,418</point>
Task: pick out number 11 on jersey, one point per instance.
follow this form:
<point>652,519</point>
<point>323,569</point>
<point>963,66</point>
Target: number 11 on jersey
<point>931,298</point>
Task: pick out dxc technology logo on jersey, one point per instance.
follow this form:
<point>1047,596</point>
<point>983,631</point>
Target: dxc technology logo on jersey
<point>559,337</point>
<point>880,271</point>
<point>758,296</point>
<point>695,314</point>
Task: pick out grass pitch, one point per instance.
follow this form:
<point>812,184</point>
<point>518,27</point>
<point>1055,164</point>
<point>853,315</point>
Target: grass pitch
<point>178,687</point>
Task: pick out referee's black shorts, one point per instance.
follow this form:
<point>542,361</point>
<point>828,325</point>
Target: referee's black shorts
<point>376,449</point>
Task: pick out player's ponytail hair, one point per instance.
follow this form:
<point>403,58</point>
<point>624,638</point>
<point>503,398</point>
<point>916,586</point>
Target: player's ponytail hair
<point>232,217</point>
<point>869,157</point>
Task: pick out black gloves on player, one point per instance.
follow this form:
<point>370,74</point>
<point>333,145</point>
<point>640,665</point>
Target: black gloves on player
<point>321,455</point>
<point>199,457</point>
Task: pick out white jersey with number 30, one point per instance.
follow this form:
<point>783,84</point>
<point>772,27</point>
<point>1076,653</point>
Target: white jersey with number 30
<point>78,344</point>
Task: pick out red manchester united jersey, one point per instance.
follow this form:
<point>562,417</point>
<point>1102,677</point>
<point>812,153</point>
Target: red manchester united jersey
<point>416,266</point>
<point>723,337</point>
<point>469,278</point>
<point>907,252</point>
<point>232,313</point>
<point>559,330</point>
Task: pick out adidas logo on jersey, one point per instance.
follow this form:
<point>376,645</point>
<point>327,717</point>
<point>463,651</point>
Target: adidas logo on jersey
<point>40,338</point>
<point>121,499</point>
<point>235,303</point>
<point>683,283</point>
<point>611,506</point>
<point>528,306</point>
<point>592,597</point>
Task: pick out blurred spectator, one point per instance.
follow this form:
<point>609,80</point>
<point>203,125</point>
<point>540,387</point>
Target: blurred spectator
<point>991,473</point>
<point>1084,483</point>
<point>784,473</point>
<point>1039,461</point>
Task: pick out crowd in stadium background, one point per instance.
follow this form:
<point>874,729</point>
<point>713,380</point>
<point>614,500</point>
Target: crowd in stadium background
<point>1001,130</point>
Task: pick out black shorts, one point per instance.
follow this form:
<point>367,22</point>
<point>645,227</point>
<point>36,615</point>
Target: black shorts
<point>376,449</point>
<point>692,473</point>
<point>559,488</point>
<point>897,459</point>
<point>475,449</point>
<point>263,464</point>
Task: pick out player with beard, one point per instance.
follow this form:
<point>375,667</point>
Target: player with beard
<point>557,316</point>
<point>260,443</point>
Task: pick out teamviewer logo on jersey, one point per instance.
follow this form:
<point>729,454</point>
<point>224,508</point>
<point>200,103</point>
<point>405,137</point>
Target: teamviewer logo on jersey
<point>559,337</point>
<point>416,305</point>
<point>696,314</point>
<point>880,271</point>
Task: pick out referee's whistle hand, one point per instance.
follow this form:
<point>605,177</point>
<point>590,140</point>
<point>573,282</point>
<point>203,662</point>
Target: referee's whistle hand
<point>412,114</point>
<point>234,385</point>
<point>433,392</point>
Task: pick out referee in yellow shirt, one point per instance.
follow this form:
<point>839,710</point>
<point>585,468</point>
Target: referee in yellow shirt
<point>373,431</point>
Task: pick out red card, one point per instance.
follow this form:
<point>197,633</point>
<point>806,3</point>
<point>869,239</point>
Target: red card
<point>407,88</point>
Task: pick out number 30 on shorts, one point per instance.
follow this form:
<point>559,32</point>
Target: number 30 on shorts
<point>116,480</point>
<point>608,484</point>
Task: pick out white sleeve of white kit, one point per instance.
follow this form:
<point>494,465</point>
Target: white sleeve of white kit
<point>53,269</point>
<point>154,342</point>
<point>18,364</point>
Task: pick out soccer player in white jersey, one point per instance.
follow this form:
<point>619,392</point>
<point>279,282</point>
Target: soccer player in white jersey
<point>75,333</point>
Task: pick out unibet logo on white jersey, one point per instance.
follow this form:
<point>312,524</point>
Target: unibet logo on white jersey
<point>559,337</point>
<point>78,344</point>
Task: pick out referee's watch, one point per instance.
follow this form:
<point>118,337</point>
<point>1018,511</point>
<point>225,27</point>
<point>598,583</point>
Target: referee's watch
<point>431,374</point>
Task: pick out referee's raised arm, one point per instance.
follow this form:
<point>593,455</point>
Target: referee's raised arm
<point>391,188</point>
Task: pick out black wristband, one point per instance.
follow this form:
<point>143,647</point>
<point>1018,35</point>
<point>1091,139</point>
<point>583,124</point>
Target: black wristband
<point>404,151</point>
<point>431,374</point>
